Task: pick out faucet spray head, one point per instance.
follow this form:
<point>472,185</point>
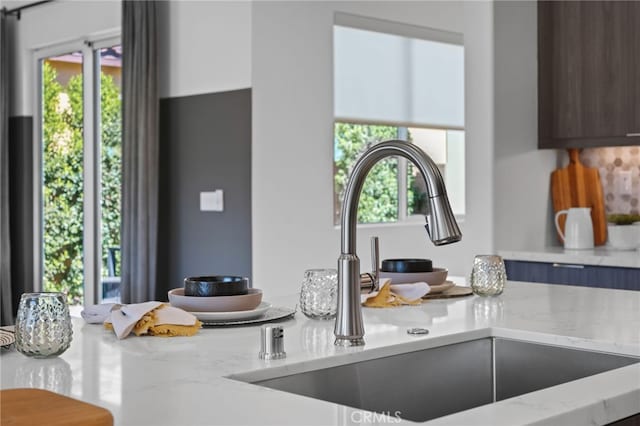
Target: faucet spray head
<point>441,223</point>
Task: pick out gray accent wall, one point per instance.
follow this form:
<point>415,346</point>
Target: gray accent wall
<point>21,205</point>
<point>205,144</point>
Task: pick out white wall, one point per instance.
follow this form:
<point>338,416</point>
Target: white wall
<point>50,24</point>
<point>522,199</point>
<point>206,45</point>
<point>292,182</point>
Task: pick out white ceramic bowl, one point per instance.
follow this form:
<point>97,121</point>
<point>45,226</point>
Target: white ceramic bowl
<point>437,277</point>
<point>623,237</point>
<point>243,302</point>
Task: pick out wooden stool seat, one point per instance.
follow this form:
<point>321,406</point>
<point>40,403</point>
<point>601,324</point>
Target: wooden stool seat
<point>41,407</point>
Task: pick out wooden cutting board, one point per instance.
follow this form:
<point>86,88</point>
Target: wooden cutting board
<point>41,407</point>
<point>579,186</point>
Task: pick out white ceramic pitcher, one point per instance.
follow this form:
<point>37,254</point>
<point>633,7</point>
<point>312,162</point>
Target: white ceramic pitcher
<point>578,228</point>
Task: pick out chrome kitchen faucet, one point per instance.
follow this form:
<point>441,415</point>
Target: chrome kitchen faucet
<point>441,226</point>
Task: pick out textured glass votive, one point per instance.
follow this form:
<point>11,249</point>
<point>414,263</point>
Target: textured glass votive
<point>319,293</point>
<point>488,275</point>
<point>43,325</point>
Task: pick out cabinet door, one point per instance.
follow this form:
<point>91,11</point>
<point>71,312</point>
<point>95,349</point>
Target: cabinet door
<point>606,65</point>
<point>587,73</point>
<point>581,275</point>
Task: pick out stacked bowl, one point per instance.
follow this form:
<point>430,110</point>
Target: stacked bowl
<point>217,293</point>
<point>406,271</point>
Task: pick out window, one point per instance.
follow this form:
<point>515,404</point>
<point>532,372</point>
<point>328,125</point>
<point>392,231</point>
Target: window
<point>409,85</point>
<point>79,152</point>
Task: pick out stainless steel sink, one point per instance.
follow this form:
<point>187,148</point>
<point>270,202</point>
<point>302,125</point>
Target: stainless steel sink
<point>435,382</point>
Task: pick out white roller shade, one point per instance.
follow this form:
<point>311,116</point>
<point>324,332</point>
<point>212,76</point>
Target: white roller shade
<point>391,78</point>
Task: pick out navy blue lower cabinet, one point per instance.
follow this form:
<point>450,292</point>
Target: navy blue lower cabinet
<point>574,274</point>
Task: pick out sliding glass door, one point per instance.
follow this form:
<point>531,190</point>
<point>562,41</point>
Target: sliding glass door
<point>79,171</point>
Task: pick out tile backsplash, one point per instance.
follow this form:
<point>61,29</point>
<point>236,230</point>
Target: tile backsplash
<point>618,166</point>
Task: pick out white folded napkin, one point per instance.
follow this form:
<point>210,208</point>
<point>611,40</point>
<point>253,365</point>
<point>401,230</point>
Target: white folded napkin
<point>125,318</point>
<point>412,291</point>
<point>97,314</point>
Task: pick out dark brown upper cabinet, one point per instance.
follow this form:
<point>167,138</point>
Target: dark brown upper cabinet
<point>588,73</point>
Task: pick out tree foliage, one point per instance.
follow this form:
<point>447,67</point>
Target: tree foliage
<point>416,192</point>
<point>379,197</point>
<point>63,194</point>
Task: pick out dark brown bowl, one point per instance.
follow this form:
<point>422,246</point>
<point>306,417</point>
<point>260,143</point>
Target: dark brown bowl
<point>216,285</point>
<point>407,265</point>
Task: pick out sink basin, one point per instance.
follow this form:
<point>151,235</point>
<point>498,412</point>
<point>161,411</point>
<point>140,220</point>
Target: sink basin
<point>435,382</point>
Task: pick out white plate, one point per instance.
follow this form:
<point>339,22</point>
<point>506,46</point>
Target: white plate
<point>233,316</point>
<point>441,287</point>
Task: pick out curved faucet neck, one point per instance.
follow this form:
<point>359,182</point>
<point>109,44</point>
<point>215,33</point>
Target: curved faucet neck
<point>426,166</point>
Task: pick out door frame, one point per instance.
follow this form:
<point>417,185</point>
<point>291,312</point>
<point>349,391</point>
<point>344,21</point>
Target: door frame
<point>92,261</point>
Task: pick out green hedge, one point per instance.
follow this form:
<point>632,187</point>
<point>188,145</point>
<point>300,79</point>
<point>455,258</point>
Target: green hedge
<point>63,193</point>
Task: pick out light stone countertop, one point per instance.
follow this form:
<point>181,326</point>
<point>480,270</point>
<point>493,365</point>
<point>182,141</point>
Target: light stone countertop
<point>182,381</point>
<point>600,256</point>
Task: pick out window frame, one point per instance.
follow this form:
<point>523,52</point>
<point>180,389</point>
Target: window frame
<point>402,177</point>
<point>409,31</point>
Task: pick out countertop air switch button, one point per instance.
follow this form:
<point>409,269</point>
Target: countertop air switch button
<point>272,343</point>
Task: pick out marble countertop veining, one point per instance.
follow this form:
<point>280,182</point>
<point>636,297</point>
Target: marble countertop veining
<point>184,381</point>
<point>599,256</point>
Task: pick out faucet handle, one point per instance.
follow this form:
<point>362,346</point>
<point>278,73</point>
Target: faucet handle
<point>370,281</point>
<point>375,263</point>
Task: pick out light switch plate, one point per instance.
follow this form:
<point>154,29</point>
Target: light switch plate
<point>212,201</point>
<point>623,182</point>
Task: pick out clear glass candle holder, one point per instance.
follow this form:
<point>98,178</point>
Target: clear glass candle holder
<point>43,325</point>
<point>319,293</point>
<point>488,275</point>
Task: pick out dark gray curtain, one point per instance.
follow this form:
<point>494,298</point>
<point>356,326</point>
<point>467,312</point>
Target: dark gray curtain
<point>140,150</point>
<point>5,248</point>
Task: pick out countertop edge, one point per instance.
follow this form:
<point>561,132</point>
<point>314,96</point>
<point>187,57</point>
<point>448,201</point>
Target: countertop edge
<point>595,257</point>
<point>583,401</point>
